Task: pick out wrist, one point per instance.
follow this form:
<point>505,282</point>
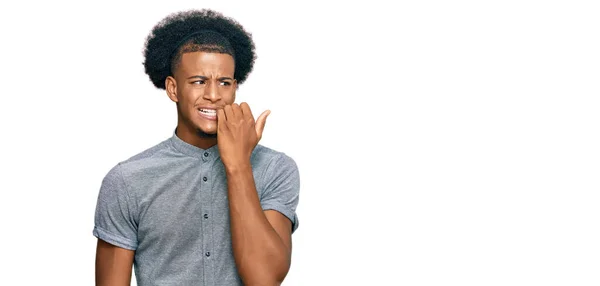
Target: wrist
<point>238,167</point>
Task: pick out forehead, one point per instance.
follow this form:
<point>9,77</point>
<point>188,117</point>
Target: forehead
<point>207,63</point>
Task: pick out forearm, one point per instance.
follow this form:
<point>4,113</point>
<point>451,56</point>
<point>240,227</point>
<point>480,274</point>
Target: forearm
<point>261,256</point>
<point>113,265</point>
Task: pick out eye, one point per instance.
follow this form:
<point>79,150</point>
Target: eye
<point>225,83</point>
<point>200,81</point>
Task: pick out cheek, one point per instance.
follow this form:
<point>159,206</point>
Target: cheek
<point>229,96</point>
<point>189,96</point>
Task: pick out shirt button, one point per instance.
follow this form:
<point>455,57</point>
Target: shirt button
<point>205,215</point>
<point>207,254</point>
<point>205,154</point>
<point>205,179</point>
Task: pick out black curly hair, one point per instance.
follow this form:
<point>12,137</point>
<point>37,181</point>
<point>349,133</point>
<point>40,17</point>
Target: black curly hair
<point>196,30</point>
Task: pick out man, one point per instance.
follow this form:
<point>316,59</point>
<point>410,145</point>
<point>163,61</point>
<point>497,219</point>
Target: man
<point>209,205</point>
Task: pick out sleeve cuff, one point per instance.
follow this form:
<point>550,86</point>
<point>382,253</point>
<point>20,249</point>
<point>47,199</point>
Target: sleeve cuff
<point>291,215</point>
<point>114,239</point>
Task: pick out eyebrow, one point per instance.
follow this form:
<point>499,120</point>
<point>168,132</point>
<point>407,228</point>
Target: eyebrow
<point>198,76</point>
<point>205,78</point>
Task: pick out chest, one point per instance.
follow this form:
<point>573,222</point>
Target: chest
<point>187,207</point>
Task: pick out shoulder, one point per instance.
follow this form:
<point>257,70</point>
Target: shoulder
<point>271,158</point>
<point>278,168</point>
<point>143,160</point>
<point>149,153</point>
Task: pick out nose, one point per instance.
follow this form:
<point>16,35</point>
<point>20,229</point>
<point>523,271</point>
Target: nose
<point>211,92</point>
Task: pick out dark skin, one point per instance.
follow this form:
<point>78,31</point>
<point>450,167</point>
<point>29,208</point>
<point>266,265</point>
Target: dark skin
<point>113,264</point>
<point>261,240</point>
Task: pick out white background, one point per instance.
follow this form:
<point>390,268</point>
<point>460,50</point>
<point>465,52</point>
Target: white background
<point>439,142</point>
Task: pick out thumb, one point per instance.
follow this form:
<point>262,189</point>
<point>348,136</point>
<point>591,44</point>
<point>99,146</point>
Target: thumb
<point>260,123</point>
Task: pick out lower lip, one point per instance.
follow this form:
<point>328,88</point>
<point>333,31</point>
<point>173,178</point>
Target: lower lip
<point>209,117</point>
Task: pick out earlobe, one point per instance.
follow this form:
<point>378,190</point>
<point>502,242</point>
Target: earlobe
<point>171,88</point>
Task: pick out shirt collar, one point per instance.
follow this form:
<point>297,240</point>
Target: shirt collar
<point>193,151</point>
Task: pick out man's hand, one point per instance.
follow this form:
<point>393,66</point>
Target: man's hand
<point>238,134</point>
<point>261,240</point>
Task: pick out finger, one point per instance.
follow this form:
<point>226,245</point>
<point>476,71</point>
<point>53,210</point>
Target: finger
<point>246,111</point>
<point>237,112</point>
<point>228,112</point>
<point>221,120</point>
<point>260,123</point>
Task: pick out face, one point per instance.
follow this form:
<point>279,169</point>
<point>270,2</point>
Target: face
<point>202,83</point>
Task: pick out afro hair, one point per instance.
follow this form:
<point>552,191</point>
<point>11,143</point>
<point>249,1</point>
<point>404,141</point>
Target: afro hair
<point>196,30</point>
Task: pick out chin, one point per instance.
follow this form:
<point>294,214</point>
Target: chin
<point>206,126</point>
<point>206,132</point>
<point>210,129</point>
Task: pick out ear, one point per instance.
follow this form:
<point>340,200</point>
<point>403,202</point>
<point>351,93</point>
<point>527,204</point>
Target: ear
<point>171,88</point>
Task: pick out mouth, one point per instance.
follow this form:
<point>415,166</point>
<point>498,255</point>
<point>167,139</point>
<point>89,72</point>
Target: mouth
<point>208,113</point>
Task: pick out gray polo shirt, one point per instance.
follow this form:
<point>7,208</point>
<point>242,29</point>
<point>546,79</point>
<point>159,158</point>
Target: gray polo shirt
<point>169,204</point>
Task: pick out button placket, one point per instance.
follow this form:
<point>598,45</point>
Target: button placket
<point>205,156</point>
<point>206,187</point>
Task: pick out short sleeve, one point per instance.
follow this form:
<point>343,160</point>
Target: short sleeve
<point>282,188</point>
<point>114,220</point>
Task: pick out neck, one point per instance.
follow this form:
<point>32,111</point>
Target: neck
<point>195,137</point>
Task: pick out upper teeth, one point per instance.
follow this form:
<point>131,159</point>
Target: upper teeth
<point>209,111</point>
